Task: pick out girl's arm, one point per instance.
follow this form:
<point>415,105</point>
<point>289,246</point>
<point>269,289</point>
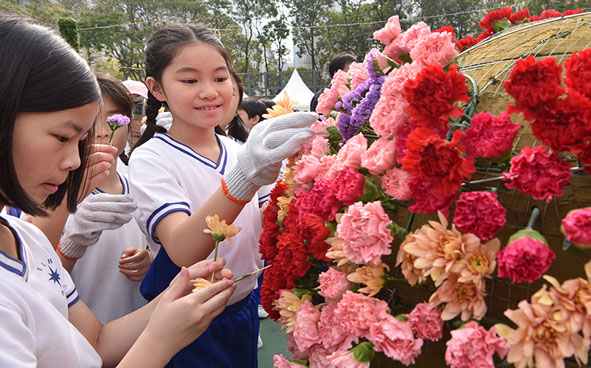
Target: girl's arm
<point>151,335</point>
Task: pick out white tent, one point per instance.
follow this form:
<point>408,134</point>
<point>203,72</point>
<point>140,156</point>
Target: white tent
<point>298,92</point>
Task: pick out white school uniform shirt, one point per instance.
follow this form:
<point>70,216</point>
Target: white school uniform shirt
<point>168,176</point>
<point>35,293</point>
<point>105,290</point>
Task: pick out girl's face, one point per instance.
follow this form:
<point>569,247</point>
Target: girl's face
<point>102,130</point>
<point>45,147</point>
<point>196,86</point>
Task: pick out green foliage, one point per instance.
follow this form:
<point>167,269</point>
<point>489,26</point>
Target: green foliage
<point>68,28</point>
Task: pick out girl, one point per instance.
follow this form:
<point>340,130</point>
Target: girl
<point>48,103</point>
<point>188,69</point>
<point>108,276</point>
<point>251,111</point>
<point>231,125</point>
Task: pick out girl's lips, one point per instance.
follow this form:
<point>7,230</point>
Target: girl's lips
<point>51,188</point>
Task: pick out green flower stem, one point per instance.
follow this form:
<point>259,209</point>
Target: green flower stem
<point>251,273</point>
<point>215,257</point>
<point>534,216</point>
<point>111,136</point>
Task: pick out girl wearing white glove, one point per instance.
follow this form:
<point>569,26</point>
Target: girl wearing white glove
<point>102,246</point>
<point>48,104</point>
<point>181,176</point>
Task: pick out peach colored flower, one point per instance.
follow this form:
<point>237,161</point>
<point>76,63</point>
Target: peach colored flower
<point>305,332</point>
<point>406,262</point>
<point>331,334</point>
<point>283,106</point>
<point>438,248</point>
<point>395,339</point>
<point>333,284</point>
<point>287,305</point>
<point>395,183</point>
<point>220,230</point>
<point>478,262</point>
<point>336,251</point>
<point>380,156</point>
<point>473,346</point>
<point>364,229</point>
<point>466,298</point>
<point>542,336</point>
<point>350,154</point>
<point>390,31</point>
<point>371,276</point>
<point>425,322</point>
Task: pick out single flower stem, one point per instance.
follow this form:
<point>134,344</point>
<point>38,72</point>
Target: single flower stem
<point>111,137</point>
<point>251,273</point>
<point>534,216</point>
<point>215,257</point>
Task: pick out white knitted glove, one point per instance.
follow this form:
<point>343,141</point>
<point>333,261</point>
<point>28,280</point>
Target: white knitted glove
<point>96,213</point>
<point>269,143</point>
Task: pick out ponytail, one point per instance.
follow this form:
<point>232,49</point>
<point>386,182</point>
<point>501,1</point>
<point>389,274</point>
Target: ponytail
<point>152,107</point>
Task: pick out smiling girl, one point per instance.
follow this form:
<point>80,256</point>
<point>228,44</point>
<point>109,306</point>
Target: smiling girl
<point>181,176</point>
<point>49,100</point>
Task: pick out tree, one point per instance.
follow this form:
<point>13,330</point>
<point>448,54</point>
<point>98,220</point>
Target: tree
<point>277,32</point>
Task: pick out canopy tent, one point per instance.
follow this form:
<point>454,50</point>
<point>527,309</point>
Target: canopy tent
<point>298,92</point>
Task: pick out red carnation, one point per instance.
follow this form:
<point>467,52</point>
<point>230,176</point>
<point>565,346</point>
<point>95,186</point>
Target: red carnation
<point>479,213</point>
<point>438,161</point>
<point>534,18</point>
<point>292,257</point>
<point>349,185</point>
<point>466,43</point>
<point>578,72</point>
<point>432,95</point>
<point>314,232</point>
<point>321,200</point>
<point>487,32</point>
<point>572,12</point>
<point>268,239</point>
<point>449,29</point>
<point>585,158</point>
<point>519,17</point>
<point>534,83</point>
<point>564,124</point>
<point>489,136</point>
<point>494,16</point>
<point>270,293</point>
<point>426,199</point>
<point>538,173</point>
<point>550,13</point>
<point>525,258</point>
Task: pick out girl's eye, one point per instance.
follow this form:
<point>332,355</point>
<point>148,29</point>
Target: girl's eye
<point>189,81</point>
<point>222,79</point>
<point>61,139</point>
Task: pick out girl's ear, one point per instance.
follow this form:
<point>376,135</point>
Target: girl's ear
<point>156,89</point>
<point>256,119</point>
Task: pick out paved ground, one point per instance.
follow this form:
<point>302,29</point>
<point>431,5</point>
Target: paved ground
<point>274,342</point>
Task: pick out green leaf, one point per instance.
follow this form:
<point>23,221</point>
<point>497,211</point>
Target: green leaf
<point>363,353</point>
<point>529,233</point>
<point>405,58</point>
<point>501,25</point>
<point>371,191</point>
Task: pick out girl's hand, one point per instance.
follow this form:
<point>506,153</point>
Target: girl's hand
<point>181,315</point>
<point>100,160</point>
<point>134,263</point>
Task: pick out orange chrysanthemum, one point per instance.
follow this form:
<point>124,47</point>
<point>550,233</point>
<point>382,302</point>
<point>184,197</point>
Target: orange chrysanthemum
<point>406,262</point>
<point>466,298</point>
<point>287,305</point>
<point>282,107</point>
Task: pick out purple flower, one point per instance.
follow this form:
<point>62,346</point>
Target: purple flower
<point>115,122</point>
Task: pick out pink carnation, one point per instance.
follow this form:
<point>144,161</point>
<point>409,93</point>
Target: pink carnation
<point>381,58</point>
<point>331,95</point>
<point>317,147</point>
<point>395,183</point>
<point>357,313</point>
<point>401,140</point>
<point>364,229</point>
<point>318,357</point>
<point>331,333</point>
<point>350,154</point>
<point>426,199</point>
<point>329,167</point>
<point>344,359</point>
<point>396,79</point>
<point>296,354</point>
<point>395,339</point>
<point>390,31</point>
<point>425,321</point>
<point>305,333</point>
<point>473,346</point>
<point>321,200</point>
<point>389,115</point>
<point>525,259</point>
<point>576,226</point>
<point>538,173</point>
<point>307,168</point>
<point>333,284</point>
<point>436,48</point>
<point>404,43</point>
<point>380,156</point>
<point>479,213</point>
<point>489,136</point>
<point>279,361</point>
<point>349,186</point>
<point>358,74</point>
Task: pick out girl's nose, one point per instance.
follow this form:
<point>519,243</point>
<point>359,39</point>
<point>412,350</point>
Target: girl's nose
<point>207,91</point>
<point>71,160</point>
